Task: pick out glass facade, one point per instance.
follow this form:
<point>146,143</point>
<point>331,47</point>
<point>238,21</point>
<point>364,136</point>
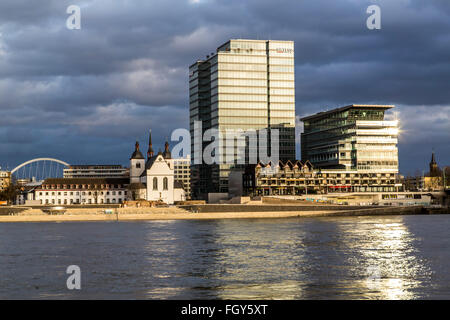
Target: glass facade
<point>246,84</point>
<point>355,137</point>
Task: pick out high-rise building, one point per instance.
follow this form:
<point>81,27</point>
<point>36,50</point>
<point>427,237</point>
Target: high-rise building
<point>245,84</point>
<point>354,137</point>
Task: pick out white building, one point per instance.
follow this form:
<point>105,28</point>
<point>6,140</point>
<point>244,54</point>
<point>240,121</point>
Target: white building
<point>154,179</point>
<point>65,191</point>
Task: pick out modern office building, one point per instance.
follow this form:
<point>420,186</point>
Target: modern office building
<point>96,171</point>
<point>182,173</point>
<point>351,138</point>
<point>245,84</point>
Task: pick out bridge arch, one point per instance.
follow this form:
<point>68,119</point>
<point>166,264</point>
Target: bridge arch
<point>37,160</point>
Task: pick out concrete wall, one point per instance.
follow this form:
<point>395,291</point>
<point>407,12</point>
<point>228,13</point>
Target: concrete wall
<point>216,197</point>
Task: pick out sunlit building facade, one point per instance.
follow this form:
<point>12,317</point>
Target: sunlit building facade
<point>351,138</point>
<point>5,180</point>
<point>245,84</point>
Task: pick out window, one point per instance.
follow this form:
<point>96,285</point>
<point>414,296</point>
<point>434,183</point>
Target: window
<point>155,183</point>
<point>165,183</point>
<point>138,165</point>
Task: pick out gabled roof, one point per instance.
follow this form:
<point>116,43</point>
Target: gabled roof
<point>150,163</point>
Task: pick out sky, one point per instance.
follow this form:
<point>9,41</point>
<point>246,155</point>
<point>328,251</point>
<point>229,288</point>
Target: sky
<point>85,96</point>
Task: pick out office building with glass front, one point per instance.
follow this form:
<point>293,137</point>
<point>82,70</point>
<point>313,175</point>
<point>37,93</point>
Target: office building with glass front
<point>245,84</point>
<point>354,137</point>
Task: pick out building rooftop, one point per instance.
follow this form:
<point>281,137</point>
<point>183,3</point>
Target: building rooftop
<point>86,181</point>
<point>95,166</point>
<point>368,106</point>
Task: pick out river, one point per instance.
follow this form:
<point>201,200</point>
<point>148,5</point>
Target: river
<point>383,257</point>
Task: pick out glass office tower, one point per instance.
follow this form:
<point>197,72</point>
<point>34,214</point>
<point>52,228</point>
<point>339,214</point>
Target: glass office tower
<point>245,84</point>
<point>355,137</point>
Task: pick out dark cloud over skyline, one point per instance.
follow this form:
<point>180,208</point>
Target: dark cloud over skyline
<point>85,96</point>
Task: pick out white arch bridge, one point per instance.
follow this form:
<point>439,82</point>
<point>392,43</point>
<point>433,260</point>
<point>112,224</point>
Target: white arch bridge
<point>40,169</point>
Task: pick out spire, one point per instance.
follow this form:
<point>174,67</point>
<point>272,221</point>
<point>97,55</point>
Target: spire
<point>166,146</point>
<point>136,146</point>
<point>434,170</point>
<point>150,148</point>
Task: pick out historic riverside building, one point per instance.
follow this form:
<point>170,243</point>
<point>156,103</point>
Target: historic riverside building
<point>66,191</point>
<point>300,178</point>
<point>154,179</point>
<point>245,84</point>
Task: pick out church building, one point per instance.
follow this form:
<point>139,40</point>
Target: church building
<point>153,179</point>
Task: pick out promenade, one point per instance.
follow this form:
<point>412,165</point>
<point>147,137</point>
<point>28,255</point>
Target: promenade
<point>215,212</point>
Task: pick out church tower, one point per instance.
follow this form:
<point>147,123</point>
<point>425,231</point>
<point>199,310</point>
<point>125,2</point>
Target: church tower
<point>137,164</point>
<point>434,170</point>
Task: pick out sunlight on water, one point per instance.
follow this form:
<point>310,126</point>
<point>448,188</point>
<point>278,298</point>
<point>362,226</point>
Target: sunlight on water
<point>392,257</point>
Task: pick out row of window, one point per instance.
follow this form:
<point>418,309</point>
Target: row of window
<point>81,186</point>
<point>77,193</point>
<point>83,201</point>
<point>165,183</point>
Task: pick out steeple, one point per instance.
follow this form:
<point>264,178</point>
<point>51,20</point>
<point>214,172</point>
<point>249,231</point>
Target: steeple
<point>150,148</point>
<point>434,170</point>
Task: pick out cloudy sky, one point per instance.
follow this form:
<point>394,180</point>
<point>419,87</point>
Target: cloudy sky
<point>85,96</point>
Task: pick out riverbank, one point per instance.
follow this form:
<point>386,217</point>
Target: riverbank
<point>175,213</point>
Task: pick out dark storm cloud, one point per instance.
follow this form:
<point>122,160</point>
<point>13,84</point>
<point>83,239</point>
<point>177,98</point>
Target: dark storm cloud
<point>86,95</point>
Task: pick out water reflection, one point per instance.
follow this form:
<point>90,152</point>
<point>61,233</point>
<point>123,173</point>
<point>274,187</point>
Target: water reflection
<point>385,261</point>
<point>317,258</point>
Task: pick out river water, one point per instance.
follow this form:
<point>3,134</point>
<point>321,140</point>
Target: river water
<point>386,257</point>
